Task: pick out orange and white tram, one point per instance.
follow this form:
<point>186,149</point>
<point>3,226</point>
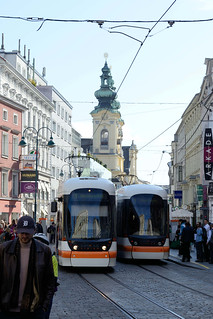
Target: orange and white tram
<point>142,222</point>
<point>86,223</point>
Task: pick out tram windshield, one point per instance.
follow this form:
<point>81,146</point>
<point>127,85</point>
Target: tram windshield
<point>147,215</point>
<point>88,214</point>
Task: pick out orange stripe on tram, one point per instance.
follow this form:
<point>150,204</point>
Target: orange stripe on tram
<point>149,249</point>
<point>144,249</point>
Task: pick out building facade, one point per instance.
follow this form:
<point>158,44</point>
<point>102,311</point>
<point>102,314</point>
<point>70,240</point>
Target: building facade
<point>191,172</point>
<point>10,134</point>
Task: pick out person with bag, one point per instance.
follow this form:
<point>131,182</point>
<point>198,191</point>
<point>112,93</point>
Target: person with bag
<point>26,275</point>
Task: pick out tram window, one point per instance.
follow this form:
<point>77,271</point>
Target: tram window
<point>146,215</point>
<point>88,217</point>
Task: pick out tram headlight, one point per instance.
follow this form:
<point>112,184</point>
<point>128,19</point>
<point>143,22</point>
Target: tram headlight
<point>104,247</point>
<point>135,243</point>
<point>75,247</point>
<point>159,243</point>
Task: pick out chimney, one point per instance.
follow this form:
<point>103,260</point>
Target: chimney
<point>28,61</point>
<point>19,46</point>
<point>25,51</point>
<point>44,72</point>
<point>2,42</point>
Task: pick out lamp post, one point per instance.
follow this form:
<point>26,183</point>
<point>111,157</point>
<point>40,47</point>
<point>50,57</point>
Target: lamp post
<point>23,144</point>
<point>70,163</point>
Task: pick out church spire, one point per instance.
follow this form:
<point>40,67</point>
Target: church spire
<point>106,95</point>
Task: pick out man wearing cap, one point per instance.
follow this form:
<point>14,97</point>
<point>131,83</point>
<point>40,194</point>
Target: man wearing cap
<point>26,274</point>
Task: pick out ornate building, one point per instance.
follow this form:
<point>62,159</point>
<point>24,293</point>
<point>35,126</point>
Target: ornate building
<point>107,125</point>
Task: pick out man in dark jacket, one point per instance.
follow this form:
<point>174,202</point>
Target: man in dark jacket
<point>187,237</point>
<point>26,275</point>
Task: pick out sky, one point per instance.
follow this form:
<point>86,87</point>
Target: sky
<point>166,66</point>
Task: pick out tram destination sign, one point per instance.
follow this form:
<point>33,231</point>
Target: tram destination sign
<point>208,154</point>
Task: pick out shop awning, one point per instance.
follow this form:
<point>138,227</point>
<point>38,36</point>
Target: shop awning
<point>181,213</point>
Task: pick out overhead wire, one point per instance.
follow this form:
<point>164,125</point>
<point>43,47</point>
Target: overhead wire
<point>131,64</point>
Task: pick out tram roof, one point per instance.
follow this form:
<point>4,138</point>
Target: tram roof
<point>87,182</point>
<point>130,190</point>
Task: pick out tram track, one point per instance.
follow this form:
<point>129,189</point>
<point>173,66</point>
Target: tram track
<point>122,309</point>
<point>176,282</point>
<point>89,279</point>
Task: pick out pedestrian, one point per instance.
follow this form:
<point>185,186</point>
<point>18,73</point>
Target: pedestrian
<point>51,230</point>
<point>210,244</point>
<point>13,225</point>
<point>43,238</point>
<point>199,242</point>
<point>187,238</point>
<point>39,228</point>
<point>206,230</point>
<point>182,225</point>
<point>26,275</point>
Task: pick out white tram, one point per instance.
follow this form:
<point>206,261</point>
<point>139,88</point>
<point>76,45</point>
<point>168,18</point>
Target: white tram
<point>86,223</point>
<point>142,222</point>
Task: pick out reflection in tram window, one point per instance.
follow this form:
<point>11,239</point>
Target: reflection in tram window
<point>146,215</point>
<point>88,215</point>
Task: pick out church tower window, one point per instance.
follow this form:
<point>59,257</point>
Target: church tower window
<point>104,137</point>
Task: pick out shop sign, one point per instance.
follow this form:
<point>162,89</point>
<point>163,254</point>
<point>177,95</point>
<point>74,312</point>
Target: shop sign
<point>28,175</point>
<point>208,154</point>
<point>28,165</point>
<point>28,187</point>
<point>178,194</point>
<point>31,157</point>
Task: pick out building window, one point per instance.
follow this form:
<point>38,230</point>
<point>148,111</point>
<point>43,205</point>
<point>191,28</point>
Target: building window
<point>39,123</point>
<point>52,194</point>
<point>15,147</point>
<point>180,173</point>
<point>69,120</point>
<point>58,130</point>
<point>53,171</point>
<point>62,113</point>
<point>4,149</point>
<point>15,119</point>
<point>29,120</point>
<point>15,184</point>
<point>5,115</point>
<point>4,183</point>
<point>54,105</point>
<point>58,110</point>
<point>65,116</point>
<point>62,133</point>
<point>54,126</point>
<point>104,137</point>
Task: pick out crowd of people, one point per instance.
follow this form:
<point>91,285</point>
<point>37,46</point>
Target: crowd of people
<point>28,270</point>
<point>201,236</point>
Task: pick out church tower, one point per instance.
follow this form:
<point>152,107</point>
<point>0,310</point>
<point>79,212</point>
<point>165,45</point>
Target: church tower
<point>107,125</point>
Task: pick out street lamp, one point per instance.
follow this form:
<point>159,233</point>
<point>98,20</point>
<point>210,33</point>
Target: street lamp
<point>50,144</point>
<point>62,174</point>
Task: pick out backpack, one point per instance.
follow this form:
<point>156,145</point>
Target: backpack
<point>204,236</point>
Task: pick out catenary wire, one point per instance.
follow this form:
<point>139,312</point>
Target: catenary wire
<point>131,64</point>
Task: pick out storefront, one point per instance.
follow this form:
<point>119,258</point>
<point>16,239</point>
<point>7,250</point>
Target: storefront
<point>9,210</point>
